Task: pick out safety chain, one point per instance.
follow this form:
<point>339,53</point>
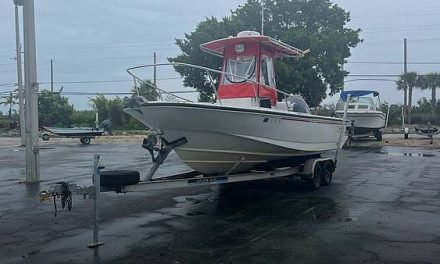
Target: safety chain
<point>65,196</point>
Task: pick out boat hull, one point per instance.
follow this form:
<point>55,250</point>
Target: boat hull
<point>234,139</point>
<point>75,132</point>
<point>365,122</point>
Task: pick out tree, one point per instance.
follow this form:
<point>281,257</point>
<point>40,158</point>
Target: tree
<point>430,81</point>
<point>395,113</point>
<point>54,109</point>
<point>9,100</point>
<point>207,30</point>
<point>108,108</point>
<point>317,25</point>
<point>83,118</point>
<point>100,105</point>
<point>408,81</point>
<point>146,90</point>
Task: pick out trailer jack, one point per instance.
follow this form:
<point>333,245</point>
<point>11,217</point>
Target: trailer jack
<point>156,143</point>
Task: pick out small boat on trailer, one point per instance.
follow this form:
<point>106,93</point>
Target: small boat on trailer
<point>364,115</point>
<point>248,127</point>
<point>85,134</point>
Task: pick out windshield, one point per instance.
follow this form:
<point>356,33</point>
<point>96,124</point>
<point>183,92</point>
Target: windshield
<point>240,69</point>
<point>365,100</point>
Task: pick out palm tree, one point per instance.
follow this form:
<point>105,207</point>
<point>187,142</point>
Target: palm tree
<point>100,104</point>
<point>401,85</point>
<point>430,81</point>
<point>9,100</point>
<point>408,81</point>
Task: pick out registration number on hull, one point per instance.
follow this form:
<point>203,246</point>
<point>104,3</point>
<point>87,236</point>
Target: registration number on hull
<point>208,180</point>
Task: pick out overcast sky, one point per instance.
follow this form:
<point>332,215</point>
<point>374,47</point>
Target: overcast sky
<point>97,40</point>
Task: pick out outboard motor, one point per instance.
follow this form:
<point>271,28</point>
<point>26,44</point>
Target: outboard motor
<point>134,101</point>
<point>106,125</point>
<point>296,103</point>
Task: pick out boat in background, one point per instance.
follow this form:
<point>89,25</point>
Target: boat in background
<point>364,112</point>
<point>248,127</point>
<point>85,134</point>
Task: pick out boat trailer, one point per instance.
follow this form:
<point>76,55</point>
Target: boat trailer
<point>316,171</point>
<point>427,130</point>
<point>85,135</point>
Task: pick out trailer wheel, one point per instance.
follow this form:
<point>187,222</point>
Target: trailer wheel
<point>45,137</point>
<point>327,172</point>
<point>118,178</point>
<point>85,140</point>
<point>315,181</point>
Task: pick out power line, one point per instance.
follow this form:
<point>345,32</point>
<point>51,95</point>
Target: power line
<point>394,62</point>
<point>370,43</point>
<point>369,79</point>
<point>373,75</point>
<point>381,75</point>
<point>399,31</point>
<point>94,81</point>
<point>96,93</point>
<point>89,81</point>
<point>8,84</point>
<point>118,93</point>
<point>400,15</point>
<point>103,93</point>
<point>105,81</point>
<point>404,27</point>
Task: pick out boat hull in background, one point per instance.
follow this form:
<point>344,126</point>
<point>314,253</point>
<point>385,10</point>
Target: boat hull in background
<point>366,121</point>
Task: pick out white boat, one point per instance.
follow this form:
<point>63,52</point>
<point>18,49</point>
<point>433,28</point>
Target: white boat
<point>247,127</point>
<point>364,111</point>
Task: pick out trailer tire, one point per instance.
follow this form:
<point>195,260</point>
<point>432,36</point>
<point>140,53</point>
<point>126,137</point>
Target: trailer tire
<point>327,173</point>
<point>116,178</point>
<point>315,181</point>
<point>85,140</point>
<point>45,137</point>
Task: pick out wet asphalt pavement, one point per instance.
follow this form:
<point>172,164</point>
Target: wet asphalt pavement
<point>382,207</point>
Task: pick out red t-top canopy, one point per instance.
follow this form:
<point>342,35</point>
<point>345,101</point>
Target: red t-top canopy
<point>280,49</point>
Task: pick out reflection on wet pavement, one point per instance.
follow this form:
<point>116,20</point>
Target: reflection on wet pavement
<point>407,154</point>
<point>380,208</point>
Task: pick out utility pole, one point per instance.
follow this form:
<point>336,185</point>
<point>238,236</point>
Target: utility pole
<point>51,76</point>
<point>154,69</point>
<point>31,85</point>
<point>19,74</point>
<point>405,70</point>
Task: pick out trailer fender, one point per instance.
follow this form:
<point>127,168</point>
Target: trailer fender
<point>309,166</point>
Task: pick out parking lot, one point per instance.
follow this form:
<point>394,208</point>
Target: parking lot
<point>382,207</point>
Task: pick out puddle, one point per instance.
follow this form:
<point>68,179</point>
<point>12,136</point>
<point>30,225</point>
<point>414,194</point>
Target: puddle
<point>406,154</point>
